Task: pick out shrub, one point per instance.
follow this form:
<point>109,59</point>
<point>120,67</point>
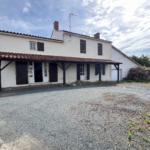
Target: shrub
<point>137,74</point>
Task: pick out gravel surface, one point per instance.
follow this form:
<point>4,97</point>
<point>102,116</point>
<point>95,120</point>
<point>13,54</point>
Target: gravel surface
<point>70,118</point>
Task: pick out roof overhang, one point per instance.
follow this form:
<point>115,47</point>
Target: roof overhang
<point>50,58</point>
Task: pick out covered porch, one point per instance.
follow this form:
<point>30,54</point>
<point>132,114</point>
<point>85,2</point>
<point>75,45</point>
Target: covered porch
<point>24,62</point>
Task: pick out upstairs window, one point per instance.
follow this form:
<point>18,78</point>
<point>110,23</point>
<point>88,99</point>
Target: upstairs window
<point>32,46</point>
<point>40,46</point>
<point>100,49</point>
<point>82,46</point>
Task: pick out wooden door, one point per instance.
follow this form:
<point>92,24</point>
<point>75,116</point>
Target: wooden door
<point>21,73</point>
<point>38,72</point>
<point>88,71</point>
<point>78,72</point>
<point>53,72</point>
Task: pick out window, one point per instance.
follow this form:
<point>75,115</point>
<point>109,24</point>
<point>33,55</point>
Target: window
<point>45,69</point>
<point>100,49</point>
<point>82,69</point>
<point>32,46</point>
<point>82,46</point>
<point>40,46</point>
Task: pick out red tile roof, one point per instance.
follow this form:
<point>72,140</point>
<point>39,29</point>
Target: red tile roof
<point>21,56</point>
<point>86,36</point>
<point>28,35</point>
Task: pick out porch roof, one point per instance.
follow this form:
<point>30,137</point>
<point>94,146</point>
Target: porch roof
<point>37,57</point>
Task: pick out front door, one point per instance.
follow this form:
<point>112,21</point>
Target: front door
<point>53,73</point>
<point>38,72</point>
<point>82,73</point>
<point>21,73</point>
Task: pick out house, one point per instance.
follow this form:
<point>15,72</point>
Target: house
<point>65,57</point>
<point>127,64</point>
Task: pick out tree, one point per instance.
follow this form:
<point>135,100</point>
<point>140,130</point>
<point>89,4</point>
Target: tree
<point>143,60</point>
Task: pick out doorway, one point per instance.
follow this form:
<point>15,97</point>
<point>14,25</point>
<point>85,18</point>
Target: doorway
<point>82,72</point>
<point>38,72</point>
<point>53,72</point>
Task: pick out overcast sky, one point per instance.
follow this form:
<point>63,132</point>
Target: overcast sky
<point>125,22</point>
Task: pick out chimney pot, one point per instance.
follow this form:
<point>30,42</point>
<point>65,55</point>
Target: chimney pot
<point>97,35</point>
<point>56,25</point>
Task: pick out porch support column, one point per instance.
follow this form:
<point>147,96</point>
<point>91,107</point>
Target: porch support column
<point>99,72</point>
<point>118,73</point>
<point>64,73</point>
<point>0,78</point>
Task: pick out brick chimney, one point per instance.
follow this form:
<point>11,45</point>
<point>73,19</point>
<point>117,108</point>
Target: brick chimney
<point>56,25</point>
<point>97,35</point>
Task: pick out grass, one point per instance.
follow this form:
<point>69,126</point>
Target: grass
<point>146,139</point>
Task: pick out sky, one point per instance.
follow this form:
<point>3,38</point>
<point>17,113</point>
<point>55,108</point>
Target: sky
<point>124,22</point>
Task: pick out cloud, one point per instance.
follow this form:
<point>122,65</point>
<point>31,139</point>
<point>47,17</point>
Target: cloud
<point>124,22</point>
<point>24,26</point>
<point>63,10</point>
<point>26,8</point>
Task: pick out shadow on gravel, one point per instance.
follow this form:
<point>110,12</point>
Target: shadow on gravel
<point>49,88</point>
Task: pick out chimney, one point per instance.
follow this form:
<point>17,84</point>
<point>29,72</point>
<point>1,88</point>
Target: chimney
<point>97,35</point>
<point>56,25</point>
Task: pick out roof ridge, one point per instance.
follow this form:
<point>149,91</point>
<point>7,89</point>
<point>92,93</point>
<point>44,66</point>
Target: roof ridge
<point>86,36</point>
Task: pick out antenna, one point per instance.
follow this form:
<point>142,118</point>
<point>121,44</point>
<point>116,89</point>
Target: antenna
<point>71,14</point>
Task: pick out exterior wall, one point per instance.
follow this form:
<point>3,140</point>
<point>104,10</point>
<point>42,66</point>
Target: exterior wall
<point>57,35</point>
<point>70,47</point>
<point>126,63</point>
<point>9,75</point>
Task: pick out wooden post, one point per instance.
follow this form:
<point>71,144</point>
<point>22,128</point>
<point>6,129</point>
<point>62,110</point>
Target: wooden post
<point>0,77</point>
<point>64,73</point>
<point>99,72</point>
<point>118,72</point>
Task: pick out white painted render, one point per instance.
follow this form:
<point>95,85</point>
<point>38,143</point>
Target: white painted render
<point>57,35</point>
<point>126,63</point>
<point>9,75</point>
<point>70,47</point>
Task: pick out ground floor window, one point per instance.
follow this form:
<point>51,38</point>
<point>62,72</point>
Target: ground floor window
<point>45,69</point>
<point>82,69</point>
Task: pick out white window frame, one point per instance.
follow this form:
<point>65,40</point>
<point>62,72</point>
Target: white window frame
<point>82,69</point>
<point>31,46</point>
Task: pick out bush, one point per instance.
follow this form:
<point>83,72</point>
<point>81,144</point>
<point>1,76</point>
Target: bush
<point>137,74</point>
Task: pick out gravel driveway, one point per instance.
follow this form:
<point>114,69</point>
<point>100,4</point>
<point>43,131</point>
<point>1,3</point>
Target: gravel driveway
<point>70,118</point>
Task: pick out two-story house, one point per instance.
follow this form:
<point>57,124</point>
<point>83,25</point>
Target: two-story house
<point>63,58</point>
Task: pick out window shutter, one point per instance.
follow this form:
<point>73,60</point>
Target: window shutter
<point>96,69</point>
<point>103,69</point>
<point>78,72</point>
<point>82,46</point>
<point>88,71</point>
<point>40,46</point>
<point>100,51</point>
